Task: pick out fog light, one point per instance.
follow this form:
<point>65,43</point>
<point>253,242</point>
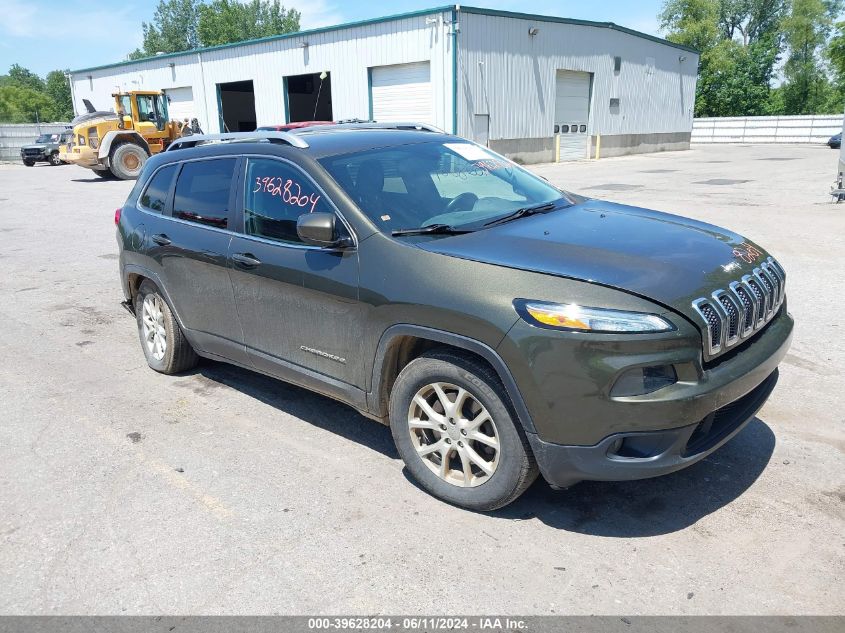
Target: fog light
<point>642,380</point>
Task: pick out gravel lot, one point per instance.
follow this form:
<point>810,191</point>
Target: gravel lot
<point>221,491</point>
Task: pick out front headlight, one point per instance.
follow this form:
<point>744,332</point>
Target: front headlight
<point>569,316</point>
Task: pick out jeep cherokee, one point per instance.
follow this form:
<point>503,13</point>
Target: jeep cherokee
<point>500,326</point>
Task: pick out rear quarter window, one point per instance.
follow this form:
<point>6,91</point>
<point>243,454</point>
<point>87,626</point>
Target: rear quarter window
<point>202,192</point>
<point>154,197</point>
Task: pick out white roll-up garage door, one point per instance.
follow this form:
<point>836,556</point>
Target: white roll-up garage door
<point>402,93</point>
<point>572,112</point>
<point>180,103</point>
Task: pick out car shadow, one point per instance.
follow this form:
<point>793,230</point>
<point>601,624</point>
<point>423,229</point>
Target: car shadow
<point>321,411</point>
<point>650,507</point>
<point>627,509</point>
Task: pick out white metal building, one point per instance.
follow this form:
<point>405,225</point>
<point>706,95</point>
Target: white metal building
<point>536,88</point>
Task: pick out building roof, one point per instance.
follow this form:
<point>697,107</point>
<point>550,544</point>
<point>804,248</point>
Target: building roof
<point>399,16</point>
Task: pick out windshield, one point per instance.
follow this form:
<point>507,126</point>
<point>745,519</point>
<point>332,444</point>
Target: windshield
<point>47,138</point>
<point>459,184</point>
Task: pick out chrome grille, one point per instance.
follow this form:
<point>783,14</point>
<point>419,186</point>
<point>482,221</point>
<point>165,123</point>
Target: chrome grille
<point>733,315</point>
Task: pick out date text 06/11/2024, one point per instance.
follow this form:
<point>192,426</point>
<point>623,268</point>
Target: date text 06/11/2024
<point>416,623</point>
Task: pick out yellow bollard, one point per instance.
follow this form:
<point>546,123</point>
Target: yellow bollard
<point>598,146</point>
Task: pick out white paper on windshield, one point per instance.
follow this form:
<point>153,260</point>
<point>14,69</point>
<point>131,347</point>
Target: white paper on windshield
<point>469,151</point>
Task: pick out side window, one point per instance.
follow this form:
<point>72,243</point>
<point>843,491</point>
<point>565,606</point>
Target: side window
<point>275,195</point>
<point>202,192</point>
<point>155,195</point>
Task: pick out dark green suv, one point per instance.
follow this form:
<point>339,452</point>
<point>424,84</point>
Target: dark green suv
<point>45,148</point>
<point>500,326</point>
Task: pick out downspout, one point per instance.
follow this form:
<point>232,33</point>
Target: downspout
<point>69,78</point>
<point>454,36</point>
<point>204,93</point>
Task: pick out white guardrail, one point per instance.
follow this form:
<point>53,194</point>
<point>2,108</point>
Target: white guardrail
<point>766,129</point>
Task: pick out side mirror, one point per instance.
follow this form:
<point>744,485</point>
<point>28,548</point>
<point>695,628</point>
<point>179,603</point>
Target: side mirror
<point>318,229</point>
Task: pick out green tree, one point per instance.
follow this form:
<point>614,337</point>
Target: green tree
<point>739,43</point>
<point>20,104</point>
<point>22,78</point>
<point>25,96</point>
<point>225,21</point>
<point>173,29</point>
<point>806,89</point>
<point>58,89</point>
<point>180,25</point>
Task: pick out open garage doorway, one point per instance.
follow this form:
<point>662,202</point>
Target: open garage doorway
<point>236,105</point>
<point>309,97</point>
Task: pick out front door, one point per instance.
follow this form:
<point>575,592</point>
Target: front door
<point>189,245</point>
<point>298,304</point>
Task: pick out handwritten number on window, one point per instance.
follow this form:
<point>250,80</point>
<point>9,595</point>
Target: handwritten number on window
<point>288,190</point>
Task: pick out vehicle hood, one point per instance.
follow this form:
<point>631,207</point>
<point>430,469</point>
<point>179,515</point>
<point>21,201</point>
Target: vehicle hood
<point>34,146</point>
<point>665,258</point>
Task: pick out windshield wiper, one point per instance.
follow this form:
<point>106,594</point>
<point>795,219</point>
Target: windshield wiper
<point>431,228</point>
<point>523,212</point>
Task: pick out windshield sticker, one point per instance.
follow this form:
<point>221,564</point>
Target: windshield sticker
<point>492,164</point>
<point>747,253</point>
<point>288,190</point>
<point>469,151</point>
<point>385,218</point>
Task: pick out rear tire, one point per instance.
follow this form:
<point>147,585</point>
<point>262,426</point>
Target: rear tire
<point>54,159</point>
<point>165,346</point>
<point>488,465</point>
<point>127,160</point>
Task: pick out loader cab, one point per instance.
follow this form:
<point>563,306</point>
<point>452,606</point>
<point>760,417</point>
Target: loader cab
<point>145,112</point>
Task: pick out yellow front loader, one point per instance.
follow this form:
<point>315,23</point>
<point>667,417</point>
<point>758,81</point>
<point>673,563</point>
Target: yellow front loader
<point>117,144</point>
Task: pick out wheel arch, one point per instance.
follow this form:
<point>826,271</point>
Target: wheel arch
<point>134,276</point>
<point>115,137</point>
<point>400,344</point>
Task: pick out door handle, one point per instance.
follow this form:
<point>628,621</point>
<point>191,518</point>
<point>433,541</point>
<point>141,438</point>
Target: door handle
<point>246,260</point>
<point>161,239</point>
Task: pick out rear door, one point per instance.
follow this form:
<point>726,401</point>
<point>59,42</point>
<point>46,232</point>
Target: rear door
<point>298,303</point>
<point>188,243</point>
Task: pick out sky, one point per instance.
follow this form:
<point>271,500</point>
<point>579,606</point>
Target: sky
<point>45,35</point>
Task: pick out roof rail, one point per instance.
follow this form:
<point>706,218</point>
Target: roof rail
<point>375,125</point>
<point>271,136</point>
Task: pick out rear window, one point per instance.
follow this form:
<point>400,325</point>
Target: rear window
<point>202,192</point>
<point>155,195</point>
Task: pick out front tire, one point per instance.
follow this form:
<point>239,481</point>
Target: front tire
<point>127,160</point>
<point>54,159</point>
<point>29,163</point>
<point>453,427</point>
<point>165,346</point>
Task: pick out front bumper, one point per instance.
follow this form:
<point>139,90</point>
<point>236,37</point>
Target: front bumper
<point>82,156</point>
<point>639,455</point>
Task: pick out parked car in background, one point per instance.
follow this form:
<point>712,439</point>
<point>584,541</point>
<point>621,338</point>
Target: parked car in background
<point>297,125</point>
<point>45,149</point>
<point>835,141</point>
<point>502,327</point>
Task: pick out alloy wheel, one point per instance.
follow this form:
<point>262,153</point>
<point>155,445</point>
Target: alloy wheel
<point>152,325</point>
<point>454,434</point>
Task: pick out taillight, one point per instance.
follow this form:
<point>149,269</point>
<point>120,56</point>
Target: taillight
<point>117,215</point>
